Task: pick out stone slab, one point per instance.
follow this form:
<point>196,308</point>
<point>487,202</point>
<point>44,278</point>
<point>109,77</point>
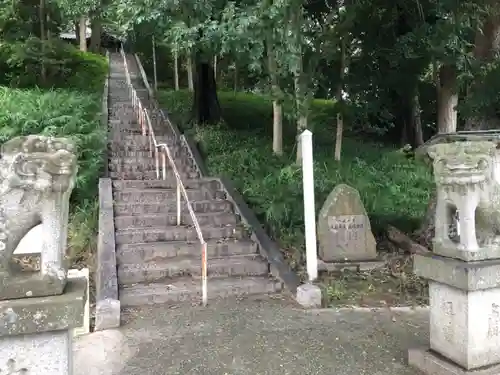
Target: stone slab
<point>344,230</point>
<point>449,249</point>
<point>431,363</point>
<point>42,314</point>
<point>107,314</point>
<point>309,296</point>
<point>468,276</point>
<point>30,247</point>
<point>106,275</point>
<point>351,266</point>
<point>47,353</point>
<point>31,284</point>
<point>84,273</point>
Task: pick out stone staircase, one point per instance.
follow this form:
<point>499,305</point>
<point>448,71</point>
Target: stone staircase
<point>158,261</point>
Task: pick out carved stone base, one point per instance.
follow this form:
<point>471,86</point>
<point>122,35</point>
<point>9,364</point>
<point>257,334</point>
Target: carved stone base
<point>36,333</point>
<point>356,266</point>
<point>449,249</point>
<point>31,284</point>
<point>431,363</point>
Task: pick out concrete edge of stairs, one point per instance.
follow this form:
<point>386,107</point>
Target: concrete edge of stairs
<point>107,309</point>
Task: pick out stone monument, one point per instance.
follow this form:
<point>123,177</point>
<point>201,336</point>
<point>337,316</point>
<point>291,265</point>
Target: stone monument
<point>38,310</point>
<point>344,232</point>
<point>463,272</point>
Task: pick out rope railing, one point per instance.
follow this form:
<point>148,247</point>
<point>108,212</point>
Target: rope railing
<point>161,149</point>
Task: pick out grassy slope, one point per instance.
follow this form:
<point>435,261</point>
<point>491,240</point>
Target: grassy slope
<point>394,189</point>
<point>70,112</point>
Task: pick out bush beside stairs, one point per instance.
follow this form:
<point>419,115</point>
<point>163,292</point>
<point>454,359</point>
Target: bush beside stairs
<point>158,261</point>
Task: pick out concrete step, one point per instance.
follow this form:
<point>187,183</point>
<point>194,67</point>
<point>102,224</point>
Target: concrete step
<point>157,195</point>
<point>129,154</point>
<point>238,265</point>
<point>170,219</point>
<point>140,144</point>
<point>177,233</point>
<point>140,253</point>
<point>149,162</point>
<point>147,167</point>
<point>205,206</point>
<point>189,289</point>
<point>211,184</point>
<point>150,175</point>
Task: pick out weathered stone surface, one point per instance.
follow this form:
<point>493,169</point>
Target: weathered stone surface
<point>463,272</point>
<point>432,363</point>
<point>308,296</point>
<point>106,275</point>
<point>468,181</point>
<point>467,276</point>
<point>37,174</point>
<point>466,327</point>
<point>344,231</point>
<point>48,353</point>
<point>43,314</point>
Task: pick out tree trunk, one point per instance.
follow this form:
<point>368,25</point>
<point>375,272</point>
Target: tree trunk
<point>77,31</point>
<point>277,107</point>
<point>189,69</point>
<point>95,38</point>
<point>83,33</point>
<point>235,77</point>
<point>300,99</point>
<point>155,73</point>
<point>49,32</point>
<point>417,120</point>
<point>215,68</point>
<point>487,44</point>
<point>43,69</point>
<point>447,99</point>
<point>206,107</point>
<point>176,69</point>
<point>340,102</point>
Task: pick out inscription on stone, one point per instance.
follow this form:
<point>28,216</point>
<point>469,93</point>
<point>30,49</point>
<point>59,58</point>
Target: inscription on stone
<point>347,228</point>
<point>494,321</point>
<point>448,326</point>
<point>344,231</point>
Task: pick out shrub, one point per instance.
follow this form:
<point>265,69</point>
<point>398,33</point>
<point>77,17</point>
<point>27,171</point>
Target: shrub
<point>66,66</point>
<point>58,113</point>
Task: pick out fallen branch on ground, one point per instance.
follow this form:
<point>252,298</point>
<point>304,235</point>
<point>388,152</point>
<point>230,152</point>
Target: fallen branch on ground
<point>404,242</point>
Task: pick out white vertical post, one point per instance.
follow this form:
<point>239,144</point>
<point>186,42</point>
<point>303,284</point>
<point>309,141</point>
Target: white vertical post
<point>157,163</point>
<point>164,165</point>
<point>178,195</point>
<point>309,209</point>
<point>204,283</point>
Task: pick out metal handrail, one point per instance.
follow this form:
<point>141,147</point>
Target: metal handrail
<point>147,130</point>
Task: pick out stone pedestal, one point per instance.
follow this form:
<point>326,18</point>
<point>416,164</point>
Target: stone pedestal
<point>463,272</point>
<point>36,333</point>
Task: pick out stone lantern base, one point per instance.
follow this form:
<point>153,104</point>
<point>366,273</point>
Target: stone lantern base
<point>464,299</point>
<point>36,333</point>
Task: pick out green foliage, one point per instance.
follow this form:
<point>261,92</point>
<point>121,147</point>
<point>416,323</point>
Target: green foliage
<point>58,113</point>
<point>20,65</point>
<point>68,113</point>
<point>73,112</point>
<point>394,189</point>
